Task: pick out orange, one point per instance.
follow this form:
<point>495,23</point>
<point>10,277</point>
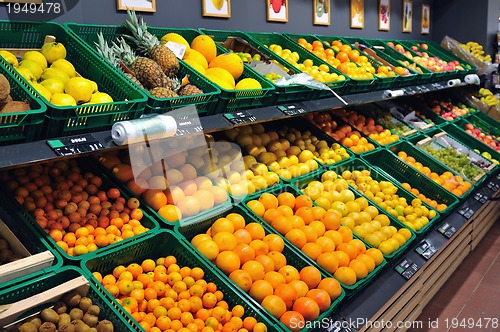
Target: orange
<point>242,279</point>
<point>278,258</point>
<point>269,201</point>
<point>237,220</point>
<point>359,245</point>
<point>331,220</point>
<point>326,244</point>
<point>274,305</point>
<point>244,252</point>
<point>287,293</point>
<point>296,221</point>
<point>135,269</point>
<point>328,261</point>
<point>209,300</point>
<point>359,268</point>
<point>285,210</point>
<point>256,231</point>
<point>209,249</point>
<point>260,327</point>
<point>307,308</point>
<point>249,323</point>
<point>368,261</point>
<point>170,213</point>
<point>274,242</point>
<point>254,269</point>
<point>318,227</point>
<point>225,241</point>
<point>311,276</point>
<point>260,289</point>
<point>292,320</point>
<point>257,207</point>
<point>345,275</point>
<point>197,239</point>
<point>346,233</point>
<point>301,201</point>
<point>331,286</point>
<point>155,198</point>
<point>222,225</point>
<point>306,214</point>
<point>266,261</point>
<point>335,236</point>
<point>281,224</point>
<point>228,261</point>
<point>243,236</point>
<point>259,247</point>
<point>342,258</point>
<point>321,297</point>
<point>376,254</point>
<point>296,237</point>
<point>289,273</point>
<point>312,250</point>
<point>287,199</point>
<point>274,278</point>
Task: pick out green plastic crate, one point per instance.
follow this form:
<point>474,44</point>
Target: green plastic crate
<point>43,282</point>
<point>283,93</point>
<point>485,123</point>
<point>153,246</point>
<point>20,127</point>
<point>28,220</point>
<point>204,102</point>
<point>293,257</point>
<point>421,157</point>
<point>457,130</point>
<point>486,118</point>
<point>401,172</point>
<point>62,121</point>
<point>265,39</point>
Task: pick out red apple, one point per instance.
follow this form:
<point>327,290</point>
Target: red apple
<point>424,47</point>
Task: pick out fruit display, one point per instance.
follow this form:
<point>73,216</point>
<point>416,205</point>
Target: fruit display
<point>487,97</point>
<point>367,126</point>
<point>476,50</point>
<point>481,136</point>
<point>356,213</point>
<point>55,78</point>
<point>344,134</point>
<point>453,183</point>
<point>78,210</point>
<point>73,312</point>
<point>385,194</point>
<point>255,261</point>
<point>448,110</point>
<point>433,63</point>
<point>318,233</point>
<point>160,295</point>
<point>175,188</point>
<point>7,103</point>
<point>6,253</point>
<point>392,124</point>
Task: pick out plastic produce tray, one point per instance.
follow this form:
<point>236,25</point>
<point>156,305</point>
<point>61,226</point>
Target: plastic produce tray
<point>44,281</point>
<point>457,130</point>
<point>165,243</point>
<point>485,122</point>
<point>265,39</point>
<point>401,172</point>
<point>20,127</point>
<point>283,93</point>
<point>62,121</point>
<point>293,257</point>
<point>204,102</point>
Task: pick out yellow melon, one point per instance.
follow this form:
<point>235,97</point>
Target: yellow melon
<point>206,46</point>
<point>176,38</point>
<point>222,83</point>
<point>196,56</point>
<point>196,66</point>
<point>230,62</point>
<point>248,84</point>
<point>222,73</point>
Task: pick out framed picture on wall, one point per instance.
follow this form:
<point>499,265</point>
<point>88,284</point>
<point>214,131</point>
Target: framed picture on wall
<point>277,10</point>
<point>407,15</point>
<point>321,12</point>
<point>426,19</point>
<point>217,8</point>
<point>384,15</point>
<point>357,14</point>
<point>137,5</point>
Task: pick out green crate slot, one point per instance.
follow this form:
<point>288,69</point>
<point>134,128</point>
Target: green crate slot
<point>293,257</point>
<point>43,282</point>
<point>485,117</point>
<point>162,244</point>
<point>27,219</point>
<point>20,127</point>
<point>204,102</point>
<point>424,159</point>
<point>457,129</point>
<point>70,120</point>
<point>266,39</point>
<point>395,168</point>
<point>284,93</point>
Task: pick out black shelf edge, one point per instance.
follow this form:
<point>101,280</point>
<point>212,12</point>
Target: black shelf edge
<point>16,155</point>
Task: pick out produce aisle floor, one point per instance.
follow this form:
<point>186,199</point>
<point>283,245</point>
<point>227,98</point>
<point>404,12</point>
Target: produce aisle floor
<point>472,293</point>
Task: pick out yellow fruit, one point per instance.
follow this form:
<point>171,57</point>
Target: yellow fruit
<point>100,98</point>
<point>65,66</point>
<point>222,83</point>
<point>53,51</point>
<point>222,73</point>
<point>37,57</point>
<point>196,56</point>
<point>27,74</point>
<point>176,38</point>
<point>196,66</point>
<point>42,90</point>
<point>94,86</point>
<point>230,62</point>
<point>33,66</point>
<point>206,46</point>
<point>55,73</point>
<point>62,99</point>
<point>248,84</point>
<point>53,85</point>
<point>10,58</point>
<point>218,4</point>
<point>79,88</point>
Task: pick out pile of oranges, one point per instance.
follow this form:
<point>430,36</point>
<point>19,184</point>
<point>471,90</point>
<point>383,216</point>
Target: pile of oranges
<point>74,208</point>
<point>453,183</point>
<point>162,296</point>
<point>254,262</point>
<point>438,206</point>
<point>318,234</point>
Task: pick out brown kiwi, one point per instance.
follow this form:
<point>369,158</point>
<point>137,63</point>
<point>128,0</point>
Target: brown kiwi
<point>64,319</point>
<point>15,106</point>
<point>72,299</point>
<point>28,327</point>
<point>36,321</point>
<point>90,320</point>
<point>47,327</point>
<point>76,313</point>
<point>60,307</point>
<point>105,326</point>
<point>49,315</point>
<point>82,327</point>
<point>85,303</point>
<point>67,328</point>
<point>94,310</point>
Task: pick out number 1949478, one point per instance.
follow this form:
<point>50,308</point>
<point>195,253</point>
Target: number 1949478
<point>32,8</point>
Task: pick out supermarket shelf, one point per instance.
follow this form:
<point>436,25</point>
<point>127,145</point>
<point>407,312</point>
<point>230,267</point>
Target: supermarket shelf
<point>33,152</point>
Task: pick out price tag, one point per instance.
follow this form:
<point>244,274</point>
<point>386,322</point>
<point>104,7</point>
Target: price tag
<point>467,212</point>
<point>407,268</point>
<point>493,186</point>
<point>291,110</point>
<point>438,86</point>
<point>186,126</point>
<point>409,90</point>
<point>426,250</point>
<point>481,198</point>
<point>423,88</point>
<point>240,117</point>
<point>68,146</point>
<point>447,230</point>
<point>178,49</point>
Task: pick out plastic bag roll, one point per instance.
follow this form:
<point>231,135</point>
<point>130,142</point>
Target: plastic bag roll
<point>393,93</point>
<point>454,82</point>
<point>144,129</point>
<point>472,79</point>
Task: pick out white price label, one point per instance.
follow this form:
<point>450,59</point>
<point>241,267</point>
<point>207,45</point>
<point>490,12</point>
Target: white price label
<point>178,49</point>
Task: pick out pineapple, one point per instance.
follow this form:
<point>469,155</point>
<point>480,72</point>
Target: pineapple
<point>172,83</point>
<point>189,89</point>
<point>134,79</point>
<point>162,92</point>
<point>149,45</point>
<point>147,71</point>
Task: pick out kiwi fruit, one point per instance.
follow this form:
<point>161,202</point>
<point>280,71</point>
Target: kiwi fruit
<point>64,319</point>
<point>93,329</point>
<point>60,307</point>
<point>36,321</point>
<point>28,327</point>
<point>67,328</point>
<point>72,299</point>
<point>47,327</point>
<point>85,303</point>
<point>76,313</point>
<point>94,310</point>
<point>49,315</point>
<point>105,326</point>
<point>82,327</point>
<point>90,320</point>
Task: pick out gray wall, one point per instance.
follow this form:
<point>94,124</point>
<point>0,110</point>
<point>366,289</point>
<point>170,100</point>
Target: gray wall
<point>246,15</point>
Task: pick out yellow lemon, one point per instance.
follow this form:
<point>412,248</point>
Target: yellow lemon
<point>37,57</point>
<point>55,73</point>
<point>79,88</point>
<point>33,66</point>
<point>100,98</point>
<point>53,51</point>
<point>65,66</point>
<point>53,85</point>
<point>62,99</point>
<point>10,58</point>
<point>42,91</point>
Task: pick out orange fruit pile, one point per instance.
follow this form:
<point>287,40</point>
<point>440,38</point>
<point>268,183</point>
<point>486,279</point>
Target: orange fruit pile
<point>453,183</point>
<point>254,262</point>
<point>318,234</point>
<point>440,207</point>
<point>160,295</point>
